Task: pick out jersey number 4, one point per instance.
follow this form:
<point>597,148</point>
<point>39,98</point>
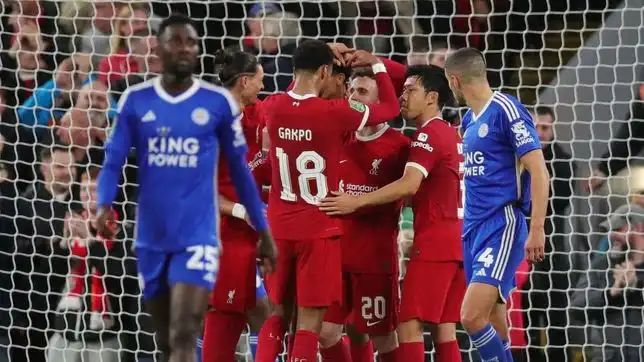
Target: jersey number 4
<point>310,166</point>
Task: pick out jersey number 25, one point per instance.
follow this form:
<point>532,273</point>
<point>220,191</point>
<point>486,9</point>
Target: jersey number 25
<point>310,166</point>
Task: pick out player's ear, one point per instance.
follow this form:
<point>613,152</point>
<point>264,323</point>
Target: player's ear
<point>324,71</point>
<point>432,97</point>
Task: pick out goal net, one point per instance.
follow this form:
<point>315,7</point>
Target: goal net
<point>64,65</point>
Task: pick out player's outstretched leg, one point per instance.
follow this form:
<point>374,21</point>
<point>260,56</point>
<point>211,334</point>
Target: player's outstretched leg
<point>333,348</point>
<point>188,305</point>
<point>480,300</point>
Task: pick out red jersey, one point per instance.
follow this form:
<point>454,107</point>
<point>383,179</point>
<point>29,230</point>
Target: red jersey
<point>306,136</point>
<point>436,151</point>
<point>116,66</point>
<point>252,123</point>
<point>369,243</point>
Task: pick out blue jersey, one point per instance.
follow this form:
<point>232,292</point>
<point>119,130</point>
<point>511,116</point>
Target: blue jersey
<point>493,143</point>
<point>177,140</point>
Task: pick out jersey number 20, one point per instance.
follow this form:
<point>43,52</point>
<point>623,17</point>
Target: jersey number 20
<point>310,166</point>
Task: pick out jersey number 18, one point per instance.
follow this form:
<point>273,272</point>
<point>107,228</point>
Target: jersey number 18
<point>310,166</point>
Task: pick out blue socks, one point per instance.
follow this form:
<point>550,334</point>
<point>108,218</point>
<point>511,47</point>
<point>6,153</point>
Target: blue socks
<point>252,343</point>
<point>199,346</point>
<point>489,345</point>
<point>508,351</point>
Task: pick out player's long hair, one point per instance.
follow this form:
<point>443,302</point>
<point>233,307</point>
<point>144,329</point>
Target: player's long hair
<point>230,65</point>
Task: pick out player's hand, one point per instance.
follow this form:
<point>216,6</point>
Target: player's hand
<point>340,204</point>
<point>267,252</point>
<point>340,52</point>
<point>361,58</point>
<point>535,245</point>
<point>250,223</point>
<point>594,182</point>
<point>101,221</point>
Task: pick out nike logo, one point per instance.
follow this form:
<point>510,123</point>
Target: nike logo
<point>370,323</point>
<point>343,161</point>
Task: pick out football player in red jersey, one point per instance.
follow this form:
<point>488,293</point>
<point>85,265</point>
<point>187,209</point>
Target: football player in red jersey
<point>374,157</point>
<point>233,301</point>
<point>306,134</point>
<point>272,332</point>
<point>434,284</point>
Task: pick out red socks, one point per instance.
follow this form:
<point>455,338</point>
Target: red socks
<point>270,339</point>
<point>221,334</point>
<point>362,352</point>
<point>447,352</point>
<point>339,352</point>
<point>411,352</point>
<point>305,348</point>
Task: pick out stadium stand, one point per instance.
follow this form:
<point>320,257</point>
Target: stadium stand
<point>65,63</point>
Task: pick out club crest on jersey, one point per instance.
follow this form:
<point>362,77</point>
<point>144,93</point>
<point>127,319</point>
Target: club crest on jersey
<point>521,134</point>
<point>200,116</point>
<point>374,166</point>
<point>483,130</point>
<point>357,106</point>
<point>422,137</point>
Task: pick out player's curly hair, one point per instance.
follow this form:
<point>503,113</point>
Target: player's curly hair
<point>172,20</point>
<point>230,65</point>
<point>432,79</point>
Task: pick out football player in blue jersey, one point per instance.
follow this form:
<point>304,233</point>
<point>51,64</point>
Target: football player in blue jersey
<point>506,181</point>
<point>178,124</point>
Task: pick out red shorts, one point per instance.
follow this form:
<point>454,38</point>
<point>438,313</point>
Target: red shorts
<point>235,288</point>
<point>370,303</point>
<point>433,292</point>
<point>308,271</point>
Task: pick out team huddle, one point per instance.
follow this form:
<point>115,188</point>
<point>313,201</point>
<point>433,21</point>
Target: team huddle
<point>334,177</point>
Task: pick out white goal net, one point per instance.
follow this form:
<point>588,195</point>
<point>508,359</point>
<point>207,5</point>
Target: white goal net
<point>64,65</point>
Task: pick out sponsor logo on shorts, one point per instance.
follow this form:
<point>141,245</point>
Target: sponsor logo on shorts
<point>231,296</point>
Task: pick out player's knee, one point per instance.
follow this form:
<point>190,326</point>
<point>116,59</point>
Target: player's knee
<point>473,318</point>
<point>310,319</point>
<point>410,331</point>
<point>184,333</point>
<point>330,334</point>
<point>259,314</point>
<point>385,343</point>
<point>444,332</point>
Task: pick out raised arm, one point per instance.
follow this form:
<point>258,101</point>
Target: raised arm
<point>397,73</point>
<point>352,115</point>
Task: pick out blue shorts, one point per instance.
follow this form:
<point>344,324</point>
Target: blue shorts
<point>260,290</point>
<point>494,249</point>
<point>159,270</point>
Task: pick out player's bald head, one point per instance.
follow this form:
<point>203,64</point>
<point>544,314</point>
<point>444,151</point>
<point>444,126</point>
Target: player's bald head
<point>468,64</point>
